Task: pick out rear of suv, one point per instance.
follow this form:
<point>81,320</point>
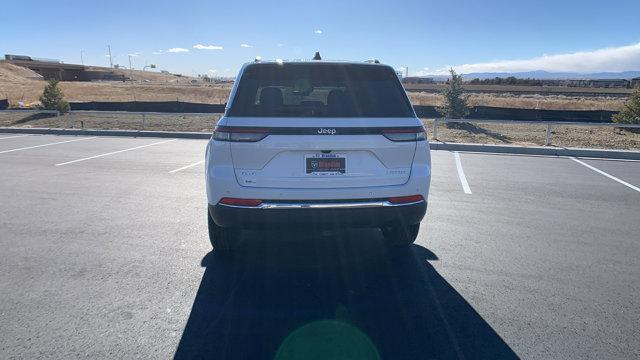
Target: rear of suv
<point>317,145</point>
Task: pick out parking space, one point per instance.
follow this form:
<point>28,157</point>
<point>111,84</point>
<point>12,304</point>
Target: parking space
<point>7,136</point>
<point>444,178</point>
<point>550,230</point>
<point>105,239</point>
<point>36,142</point>
<point>618,168</point>
<point>627,175</point>
<point>105,153</point>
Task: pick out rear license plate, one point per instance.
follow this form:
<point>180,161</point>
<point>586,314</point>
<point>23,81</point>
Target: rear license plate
<point>325,164</point>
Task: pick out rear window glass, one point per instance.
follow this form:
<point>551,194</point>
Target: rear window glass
<point>320,90</point>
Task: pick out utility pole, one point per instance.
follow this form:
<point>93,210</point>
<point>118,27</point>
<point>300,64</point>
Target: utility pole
<point>130,68</point>
<point>81,59</point>
<point>110,58</point>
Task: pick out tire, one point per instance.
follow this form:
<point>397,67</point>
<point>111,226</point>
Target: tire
<point>222,239</point>
<point>401,235</point>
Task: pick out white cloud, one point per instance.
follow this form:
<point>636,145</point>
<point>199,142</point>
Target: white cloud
<point>107,55</point>
<point>159,52</point>
<point>207,47</point>
<point>212,71</point>
<point>622,58</point>
<point>245,45</point>
<point>317,31</point>
<point>134,54</point>
<point>422,72</point>
<point>177,50</point>
<point>280,45</point>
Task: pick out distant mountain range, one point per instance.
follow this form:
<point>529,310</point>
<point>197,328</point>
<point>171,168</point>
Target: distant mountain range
<point>544,75</point>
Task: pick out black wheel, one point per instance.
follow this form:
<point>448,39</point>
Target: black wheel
<point>222,239</point>
<point>401,235</point>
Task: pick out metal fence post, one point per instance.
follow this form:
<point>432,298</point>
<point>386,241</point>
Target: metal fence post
<point>435,129</point>
<point>547,137</point>
<point>144,118</point>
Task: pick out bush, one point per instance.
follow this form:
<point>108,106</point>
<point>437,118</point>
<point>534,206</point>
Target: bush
<point>631,112</point>
<point>53,99</point>
<point>455,103</point>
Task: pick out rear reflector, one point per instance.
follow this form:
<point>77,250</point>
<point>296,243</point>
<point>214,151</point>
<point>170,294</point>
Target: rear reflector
<point>240,202</point>
<point>406,199</point>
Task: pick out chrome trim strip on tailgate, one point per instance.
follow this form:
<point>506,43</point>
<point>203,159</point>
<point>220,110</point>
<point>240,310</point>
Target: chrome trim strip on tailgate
<point>336,205</point>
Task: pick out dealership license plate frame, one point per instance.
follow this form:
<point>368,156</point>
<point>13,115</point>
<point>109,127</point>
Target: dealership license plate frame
<point>317,158</point>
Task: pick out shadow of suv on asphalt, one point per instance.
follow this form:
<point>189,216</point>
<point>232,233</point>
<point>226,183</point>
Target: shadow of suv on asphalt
<point>340,296</point>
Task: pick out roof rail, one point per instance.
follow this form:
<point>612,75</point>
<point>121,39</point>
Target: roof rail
<point>373,61</point>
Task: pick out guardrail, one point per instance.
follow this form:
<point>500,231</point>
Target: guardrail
<point>73,113</point>
<point>548,124</point>
<point>143,114</point>
<point>33,111</point>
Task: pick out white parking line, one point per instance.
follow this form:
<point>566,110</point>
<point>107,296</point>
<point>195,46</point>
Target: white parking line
<point>607,175</point>
<point>12,137</point>
<point>114,152</point>
<point>186,167</point>
<point>49,144</point>
<point>463,179</point>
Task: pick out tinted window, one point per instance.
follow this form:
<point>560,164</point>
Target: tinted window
<point>320,90</point>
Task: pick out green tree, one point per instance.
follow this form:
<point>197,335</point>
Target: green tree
<point>630,114</point>
<point>455,102</point>
<point>53,99</point>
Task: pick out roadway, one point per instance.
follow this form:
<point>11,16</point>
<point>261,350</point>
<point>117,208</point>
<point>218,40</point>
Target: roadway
<point>104,254</point>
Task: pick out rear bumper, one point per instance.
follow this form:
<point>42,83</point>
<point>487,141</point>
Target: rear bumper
<point>346,214</point>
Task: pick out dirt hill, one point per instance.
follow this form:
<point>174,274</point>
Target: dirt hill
<point>14,73</point>
<point>20,84</point>
<point>145,76</point>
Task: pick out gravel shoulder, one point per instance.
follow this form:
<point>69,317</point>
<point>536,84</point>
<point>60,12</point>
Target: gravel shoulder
<point>534,135</point>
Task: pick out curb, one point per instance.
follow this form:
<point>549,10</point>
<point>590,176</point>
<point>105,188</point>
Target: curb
<point>436,145</point>
<point>129,133</point>
<point>537,150</point>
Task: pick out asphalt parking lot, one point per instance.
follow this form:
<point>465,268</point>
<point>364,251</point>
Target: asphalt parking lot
<point>104,254</point>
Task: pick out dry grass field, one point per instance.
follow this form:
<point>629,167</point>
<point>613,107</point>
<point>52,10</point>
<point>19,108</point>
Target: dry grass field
<point>566,136</point>
<point>20,84</point>
<point>528,101</point>
<point>544,90</point>
<point>534,135</point>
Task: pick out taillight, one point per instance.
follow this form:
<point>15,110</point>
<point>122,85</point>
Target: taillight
<point>407,134</point>
<point>405,199</point>
<point>240,202</point>
<point>239,133</point>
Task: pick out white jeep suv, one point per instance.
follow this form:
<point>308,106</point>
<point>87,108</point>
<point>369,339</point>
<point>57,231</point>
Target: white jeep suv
<point>317,144</point>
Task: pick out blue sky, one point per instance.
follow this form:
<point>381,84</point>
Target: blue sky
<point>425,36</point>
